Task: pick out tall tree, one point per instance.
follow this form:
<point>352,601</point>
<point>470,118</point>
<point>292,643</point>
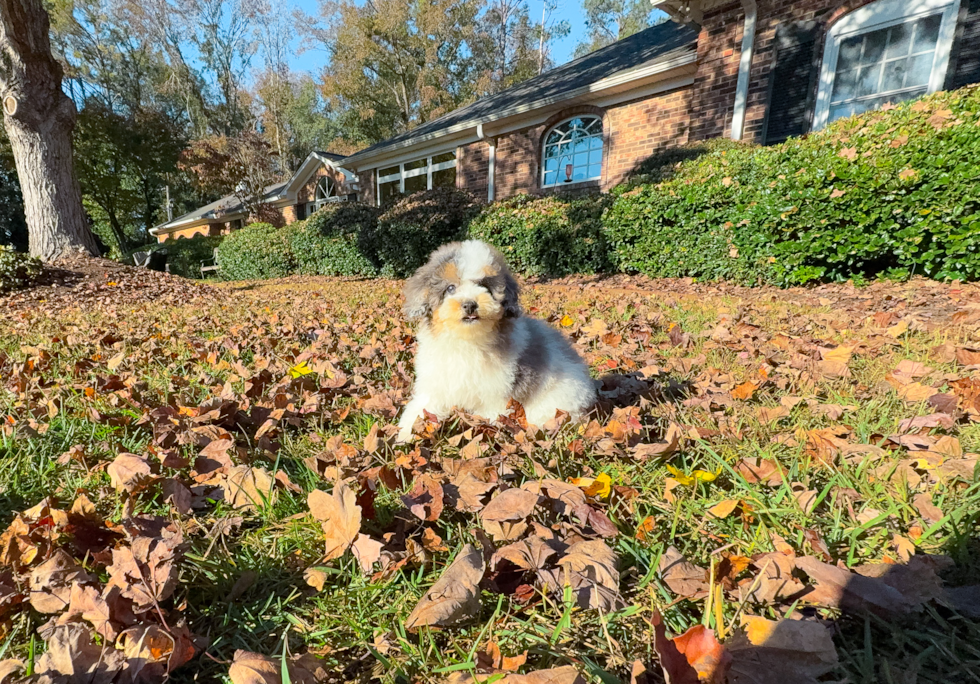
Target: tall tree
<point>122,161</point>
<point>39,118</point>
<point>397,63</point>
<point>610,20</point>
<point>243,165</point>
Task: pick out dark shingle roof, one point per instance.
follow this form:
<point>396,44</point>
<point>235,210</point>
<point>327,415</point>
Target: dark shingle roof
<point>655,44</point>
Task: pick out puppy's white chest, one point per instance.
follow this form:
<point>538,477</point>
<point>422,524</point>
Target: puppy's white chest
<point>465,375</point>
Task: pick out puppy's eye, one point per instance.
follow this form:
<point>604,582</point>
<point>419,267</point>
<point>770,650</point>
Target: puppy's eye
<point>451,289</point>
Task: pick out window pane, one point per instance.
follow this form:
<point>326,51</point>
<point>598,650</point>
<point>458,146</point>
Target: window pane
<point>446,156</point>
<point>386,191</point>
<point>927,33</point>
<point>899,39</point>
<point>868,80</point>
<point>840,111</point>
<point>416,184</point>
<point>894,76</point>
<point>845,85</point>
<point>388,171</point>
<point>850,53</point>
<point>444,179</point>
<point>573,151</point>
<point>874,46</point>
<point>920,69</point>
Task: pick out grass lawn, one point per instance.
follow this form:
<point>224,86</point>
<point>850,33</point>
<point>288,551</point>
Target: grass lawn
<point>751,432</point>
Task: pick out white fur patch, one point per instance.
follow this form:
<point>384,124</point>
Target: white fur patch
<point>473,258</point>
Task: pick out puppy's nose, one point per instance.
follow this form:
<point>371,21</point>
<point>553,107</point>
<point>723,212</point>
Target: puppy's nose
<point>469,308</point>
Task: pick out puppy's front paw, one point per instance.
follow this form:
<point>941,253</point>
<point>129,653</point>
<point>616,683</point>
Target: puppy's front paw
<point>404,435</point>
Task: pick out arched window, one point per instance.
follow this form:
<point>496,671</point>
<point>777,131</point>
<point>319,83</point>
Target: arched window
<point>325,188</point>
<point>886,51</point>
<point>572,152</point>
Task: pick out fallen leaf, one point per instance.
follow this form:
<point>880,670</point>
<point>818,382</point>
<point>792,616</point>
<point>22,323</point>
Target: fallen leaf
<point>682,577</point>
<point>340,518</point>
<point>783,652</point>
<point>455,596</point>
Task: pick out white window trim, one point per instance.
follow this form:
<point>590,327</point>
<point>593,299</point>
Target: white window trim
<point>402,174</point>
<point>544,145</point>
<point>879,15</point>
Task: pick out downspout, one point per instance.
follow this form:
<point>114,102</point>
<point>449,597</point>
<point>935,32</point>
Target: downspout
<point>492,164</point>
<point>744,69</point>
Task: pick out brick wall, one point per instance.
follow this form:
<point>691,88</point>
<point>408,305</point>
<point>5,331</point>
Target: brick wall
<point>289,214</point>
<point>719,50</point>
<point>472,168</point>
<point>366,182</point>
<point>633,131</point>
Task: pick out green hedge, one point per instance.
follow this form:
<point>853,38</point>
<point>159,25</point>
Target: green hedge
<point>257,251</point>
<point>552,236</point>
<point>409,230</point>
<point>333,241</point>
<point>889,193</point>
<point>17,270</point>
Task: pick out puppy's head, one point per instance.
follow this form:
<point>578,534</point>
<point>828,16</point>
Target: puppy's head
<point>464,288</point>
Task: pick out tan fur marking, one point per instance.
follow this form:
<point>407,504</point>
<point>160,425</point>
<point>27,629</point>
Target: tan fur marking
<point>450,272</point>
<point>490,272</point>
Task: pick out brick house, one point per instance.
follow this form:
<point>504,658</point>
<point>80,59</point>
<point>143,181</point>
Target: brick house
<point>320,179</point>
<point>756,70</point>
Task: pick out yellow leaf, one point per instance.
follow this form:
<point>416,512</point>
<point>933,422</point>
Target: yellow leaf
<point>567,321</point>
<point>300,369</point>
<point>597,487</point>
<point>723,509</point>
<point>695,476</point>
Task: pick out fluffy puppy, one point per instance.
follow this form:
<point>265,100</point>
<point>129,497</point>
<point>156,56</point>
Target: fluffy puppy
<point>475,349</point>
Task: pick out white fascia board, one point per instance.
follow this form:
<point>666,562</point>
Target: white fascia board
<point>387,156</point>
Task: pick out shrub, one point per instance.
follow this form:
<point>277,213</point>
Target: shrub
<point>17,270</point>
<point>552,236</point>
<point>334,241</point>
<point>890,192</point>
<point>184,255</point>
<point>257,251</point>
<point>410,229</point>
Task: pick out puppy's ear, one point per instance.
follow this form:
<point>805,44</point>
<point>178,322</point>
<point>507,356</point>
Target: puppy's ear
<point>511,301</point>
<point>417,295</point>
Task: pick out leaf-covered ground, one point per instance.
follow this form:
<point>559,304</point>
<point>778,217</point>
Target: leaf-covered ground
<point>779,486</point>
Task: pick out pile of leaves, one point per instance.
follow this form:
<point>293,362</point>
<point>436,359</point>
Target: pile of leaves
<point>91,283</point>
<point>778,485</point>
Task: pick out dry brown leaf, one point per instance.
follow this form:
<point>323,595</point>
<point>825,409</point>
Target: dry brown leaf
<point>129,472</point>
<point>503,518</point>
<point>455,596</point>
<point>247,488</point>
<point>682,577</point>
<point>52,580</point>
<point>783,652</point>
<point>340,518</point>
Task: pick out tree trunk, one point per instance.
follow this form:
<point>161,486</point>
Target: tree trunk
<point>39,119</point>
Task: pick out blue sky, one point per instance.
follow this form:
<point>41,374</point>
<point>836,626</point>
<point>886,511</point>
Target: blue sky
<point>313,60</point>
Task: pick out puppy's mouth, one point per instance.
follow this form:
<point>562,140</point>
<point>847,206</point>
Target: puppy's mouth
<point>471,318</point>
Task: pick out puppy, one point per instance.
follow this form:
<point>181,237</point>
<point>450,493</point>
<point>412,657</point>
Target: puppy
<point>475,349</point>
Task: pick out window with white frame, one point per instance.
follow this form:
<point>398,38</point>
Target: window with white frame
<point>438,171</point>
<point>572,152</point>
<point>886,51</point>
<point>326,192</point>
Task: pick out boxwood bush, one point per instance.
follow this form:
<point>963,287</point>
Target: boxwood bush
<point>553,236</point>
<point>335,241</point>
<point>259,250</point>
<point>410,229</point>
<point>892,192</point>
<point>17,270</point>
